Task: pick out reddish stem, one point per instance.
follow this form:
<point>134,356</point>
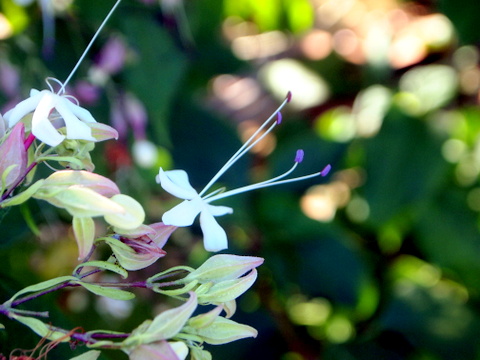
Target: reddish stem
<point>28,141</point>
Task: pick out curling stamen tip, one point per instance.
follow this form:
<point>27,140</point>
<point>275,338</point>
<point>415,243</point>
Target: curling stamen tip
<point>299,156</point>
<point>289,96</point>
<point>326,170</point>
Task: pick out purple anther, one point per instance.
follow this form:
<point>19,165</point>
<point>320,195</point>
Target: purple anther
<point>299,156</point>
<point>325,170</point>
<point>289,96</point>
<point>279,118</point>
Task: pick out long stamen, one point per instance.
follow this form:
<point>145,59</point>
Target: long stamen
<point>62,89</point>
<point>251,142</point>
<point>272,182</point>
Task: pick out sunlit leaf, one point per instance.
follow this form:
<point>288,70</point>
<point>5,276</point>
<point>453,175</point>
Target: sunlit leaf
<point>109,292</point>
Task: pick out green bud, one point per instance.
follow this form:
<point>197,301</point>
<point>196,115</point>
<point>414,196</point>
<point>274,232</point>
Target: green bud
<point>206,319</point>
<point>227,290</point>
<point>223,267</point>
<point>161,350</point>
<point>131,217</point>
<point>200,354</point>
<point>63,179</point>
<point>165,325</point>
<point>222,331</point>
<point>84,232</point>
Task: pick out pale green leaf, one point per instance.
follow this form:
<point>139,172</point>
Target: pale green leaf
<point>69,159</point>
<point>24,195</point>
<point>109,292</point>
<point>89,355</point>
<point>105,265</point>
<point>41,328</point>
<point>44,285</point>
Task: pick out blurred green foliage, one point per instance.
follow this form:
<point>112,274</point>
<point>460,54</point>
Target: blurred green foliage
<point>379,261</point>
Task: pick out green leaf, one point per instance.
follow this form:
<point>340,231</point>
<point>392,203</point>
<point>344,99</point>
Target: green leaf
<point>41,328</point>
<point>69,159</point>
<point>155,85</point>
<point>105,265</point>
<point>413,160</point>
<point>24,195</point>
<point>109,292</point>
<point>89,355</point>
<point>27,216</point>
<point>44,285</point>
<point>464,16</point>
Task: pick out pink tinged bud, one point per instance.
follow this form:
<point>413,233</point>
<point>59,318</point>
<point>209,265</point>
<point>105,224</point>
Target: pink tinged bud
<point>9,79</point>
<point>13,157</point>
<point>223,267</point>
<point>162,233</point>
<point>136,115</point>
<point>80,201</point>
<point>142,246</point>
<point>65,178</point>
<point>299,156</point>
<point>112,56</point>
<point>102,132</point>
<point>84,232</point>
<point>161,350</point>
<point>135,254</point>
<point>118,120</point>
<point>326,170</point>
<point>86,92</point>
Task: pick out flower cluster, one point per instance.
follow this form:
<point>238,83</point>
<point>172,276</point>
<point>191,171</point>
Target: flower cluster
<point>51,126</point>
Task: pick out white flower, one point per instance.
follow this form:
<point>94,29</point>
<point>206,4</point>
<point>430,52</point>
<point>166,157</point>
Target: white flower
<point>176,183</point>
<point>44,121</point>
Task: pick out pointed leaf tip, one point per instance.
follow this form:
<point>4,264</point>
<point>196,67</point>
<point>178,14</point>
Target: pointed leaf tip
<point>299,156</point>
<point>326,170</point>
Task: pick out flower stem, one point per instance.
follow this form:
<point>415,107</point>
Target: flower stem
<point>19,181</point>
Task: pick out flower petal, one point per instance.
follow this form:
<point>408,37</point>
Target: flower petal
<point>183,214</point>
<point>81,113</point>
<point>216,210</point>
<point>176,183</point>
<point>76,129</point>
<point>214,237</point>
<point>42,128</point>
<point>23,108</point>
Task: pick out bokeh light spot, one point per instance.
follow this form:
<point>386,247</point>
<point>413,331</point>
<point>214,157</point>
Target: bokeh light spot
<point>339,330</point>
<point>317,44</point>
<point>310,313</point>
<point>308,88</point>
<point>358,210</point>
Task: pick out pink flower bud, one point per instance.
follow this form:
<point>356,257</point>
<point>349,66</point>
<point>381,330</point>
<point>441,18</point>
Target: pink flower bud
<point>9,79</point>
<point>13,156</point>
<point>136,115</point>
<point>86,92</point>
<point>112,56</point>
<point>143,245</point>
